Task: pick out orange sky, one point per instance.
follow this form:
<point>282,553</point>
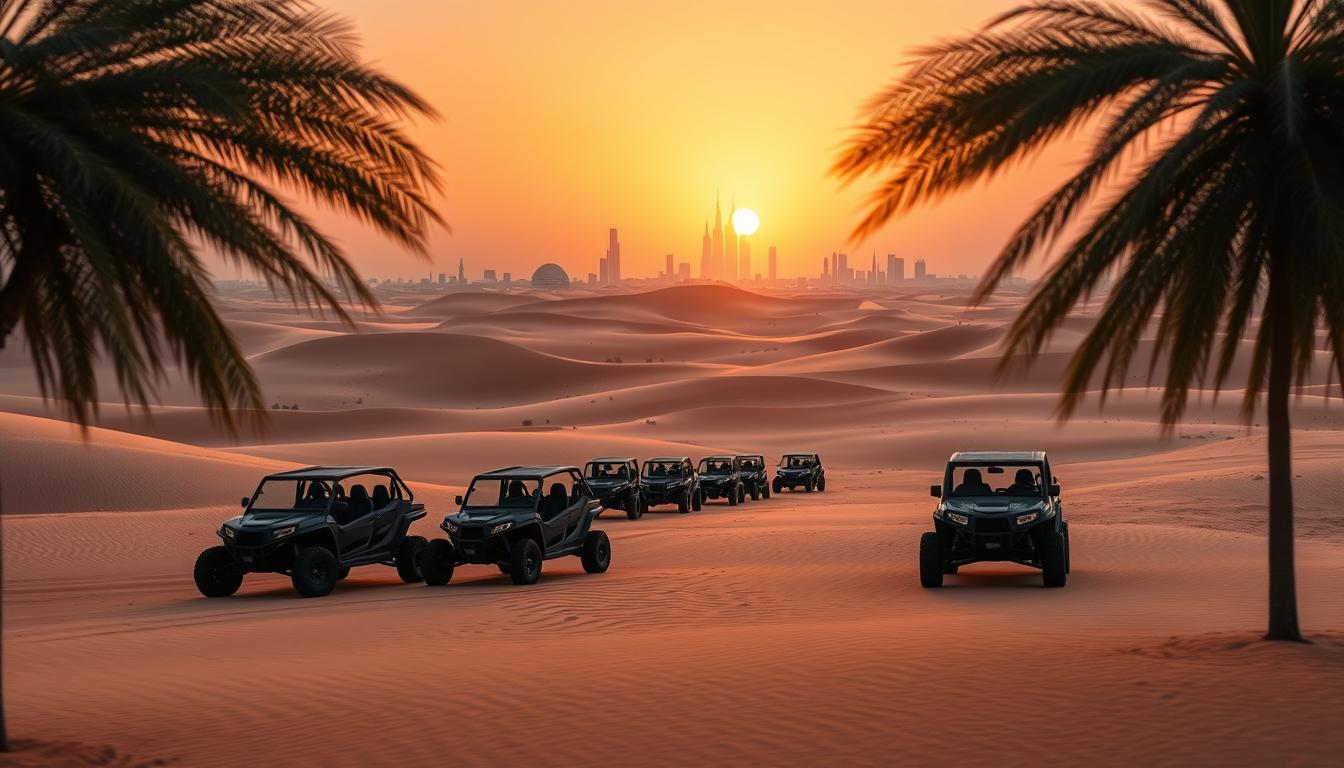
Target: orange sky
<point>565,118</point>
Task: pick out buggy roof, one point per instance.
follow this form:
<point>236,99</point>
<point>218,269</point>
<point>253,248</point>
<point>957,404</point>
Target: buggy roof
<point>799,453</point>
<point>750,455</point>
<point>998,457</point>
<point>666,459</point>
<point>524,473</point>
<point>328,473</point>
<point>612,460</point>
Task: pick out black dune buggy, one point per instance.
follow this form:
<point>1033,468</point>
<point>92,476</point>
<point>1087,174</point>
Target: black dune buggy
<point>514,519</point>
<point>316,524</point>
<point>617,484</point>
<point>755,475</point>
<point>996,506</point>
<point>720,478</point>
<point>800,470</point>
<point>672,480</point>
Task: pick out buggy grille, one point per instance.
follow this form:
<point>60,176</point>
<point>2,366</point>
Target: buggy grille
<point>991,525</point>
<point>251,538</point>
<point>471,532</point>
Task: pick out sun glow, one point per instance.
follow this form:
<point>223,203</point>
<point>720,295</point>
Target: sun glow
<point>745,221</point>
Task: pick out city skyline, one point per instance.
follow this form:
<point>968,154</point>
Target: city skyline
<point>649,169</point>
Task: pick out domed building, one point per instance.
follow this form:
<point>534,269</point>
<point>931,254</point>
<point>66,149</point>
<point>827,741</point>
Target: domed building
<point>550,277</point>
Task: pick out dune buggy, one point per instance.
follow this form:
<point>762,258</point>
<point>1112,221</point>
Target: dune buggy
<point>800,470</point>
<point>315,524</point>
<point>672,480</point>
<point>506,520</point>
<point>617,485</point>
<point>982,514</point>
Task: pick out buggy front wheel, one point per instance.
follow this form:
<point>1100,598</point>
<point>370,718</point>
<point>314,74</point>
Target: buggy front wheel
<point>525,562</point>
<point>1067,552</point>
<point>596,554</point>
<point>437,561</point>
<point>1054,560</point>
<point>217,575</point>
<point>930,560</point>
<point>315,572</point>
<point>409,558</point>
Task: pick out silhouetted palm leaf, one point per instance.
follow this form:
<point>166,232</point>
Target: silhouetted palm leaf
<point>136,134</point>
<point>1213,191</point>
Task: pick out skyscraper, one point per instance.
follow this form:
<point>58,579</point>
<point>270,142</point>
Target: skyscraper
<point>730,248</point>
<point>744,272</point>
<point>920,269</point>
<point>613,258</point>
<point>772,273</point>
<point>602,271</point>
<point>706,253</point>
<point>684,272</point>
<point>667,273</point>
<point>716,265</point>
<point>461,272</point>
<point>895,269</point>
<point>843,274</point>
<point>872,273</point>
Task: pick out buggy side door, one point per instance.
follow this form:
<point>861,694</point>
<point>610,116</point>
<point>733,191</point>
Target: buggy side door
<point>580,497</point>
<point>555,513</point>
<point>388,509</point>
<point>356,529</point>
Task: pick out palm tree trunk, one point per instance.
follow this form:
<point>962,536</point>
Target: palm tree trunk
<point>1282,577</point>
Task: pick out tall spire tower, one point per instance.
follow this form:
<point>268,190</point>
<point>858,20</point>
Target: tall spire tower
<point>461,272</point>
<point>706,253</point>
<point>716,263</point>
<point>730,250</point>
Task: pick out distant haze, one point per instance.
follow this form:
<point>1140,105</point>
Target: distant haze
<point>564,119</point>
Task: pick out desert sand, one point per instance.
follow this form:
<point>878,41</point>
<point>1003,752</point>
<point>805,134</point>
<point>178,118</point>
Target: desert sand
<point>784,632</point>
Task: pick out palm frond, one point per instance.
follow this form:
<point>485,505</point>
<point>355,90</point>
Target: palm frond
<point>133,133</point>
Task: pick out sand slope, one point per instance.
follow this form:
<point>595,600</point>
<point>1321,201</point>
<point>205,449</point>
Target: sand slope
<point>787,632</point>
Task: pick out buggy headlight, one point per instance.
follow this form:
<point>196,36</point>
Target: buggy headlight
<point>1027,518</point>
<point>956,518</point>
<point>502,527</point>
<point>226,532</point>
<point>280,533</point>
<point>450,526</point>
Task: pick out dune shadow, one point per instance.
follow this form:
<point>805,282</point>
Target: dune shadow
<point>31,752</point>
<point>994,580</point>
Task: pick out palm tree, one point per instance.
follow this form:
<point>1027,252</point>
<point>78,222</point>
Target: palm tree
<point>138,135</point>
<point>1211,192</point>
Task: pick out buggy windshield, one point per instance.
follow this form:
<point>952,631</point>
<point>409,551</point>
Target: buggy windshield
<point>281,495</point>
<point>796,461</point>
<point>716,465</point>
<point>663,469</point>
<point>607,470</point>
<point>979,480</point>
<point>490,493</point>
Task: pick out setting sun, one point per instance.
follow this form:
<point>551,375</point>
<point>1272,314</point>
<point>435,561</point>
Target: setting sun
<point>746,221</point>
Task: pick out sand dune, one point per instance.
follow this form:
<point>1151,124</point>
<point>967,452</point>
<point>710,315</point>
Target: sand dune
<point>787,632</point>
<point>50,468</point>
<point>436,369</point>
<point>468,303</point>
